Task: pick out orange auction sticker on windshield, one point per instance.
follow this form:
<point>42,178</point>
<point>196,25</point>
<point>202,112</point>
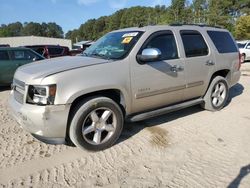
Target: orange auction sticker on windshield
<point>127,40</point>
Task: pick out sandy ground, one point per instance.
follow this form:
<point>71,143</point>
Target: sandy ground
<point>188,148</point>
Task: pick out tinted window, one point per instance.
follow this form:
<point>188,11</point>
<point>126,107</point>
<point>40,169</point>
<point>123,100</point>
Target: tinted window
<point>223,41</point>
<point>41,51</point>
<point>4,55</point>
<point>194,44</point>
<point>166,44</point>
<point>55,51</point>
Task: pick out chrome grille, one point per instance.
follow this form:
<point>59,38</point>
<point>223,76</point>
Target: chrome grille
<point>19,90</point>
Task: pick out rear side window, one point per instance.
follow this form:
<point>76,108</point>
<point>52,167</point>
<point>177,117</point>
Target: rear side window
<point>223,41</point>
<point>4,55</point>
<point>55,51</point>
<point>166,44</point>
<point>194,44</point>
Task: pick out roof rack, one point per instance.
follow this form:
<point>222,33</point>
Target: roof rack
<point>200,25</point>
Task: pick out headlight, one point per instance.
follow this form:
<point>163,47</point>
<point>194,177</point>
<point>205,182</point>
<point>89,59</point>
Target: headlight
<point>41,95</point>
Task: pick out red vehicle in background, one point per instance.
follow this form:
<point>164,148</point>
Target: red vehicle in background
<point>50,51</point>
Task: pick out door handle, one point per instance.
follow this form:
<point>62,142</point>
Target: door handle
<point>176,68</point>
<point>210,63</point>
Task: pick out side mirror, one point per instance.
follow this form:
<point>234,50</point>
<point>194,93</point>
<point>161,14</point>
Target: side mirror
<point>149,55</point>
<point>248,47</point>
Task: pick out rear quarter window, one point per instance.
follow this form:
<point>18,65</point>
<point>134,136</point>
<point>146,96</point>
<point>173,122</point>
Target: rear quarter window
<point>223,41</point>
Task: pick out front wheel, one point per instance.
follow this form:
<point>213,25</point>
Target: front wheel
<point>217,94</point>
<point>96,124</point>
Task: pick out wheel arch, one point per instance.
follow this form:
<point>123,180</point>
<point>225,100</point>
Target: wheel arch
<point>225,73</point>
<point>114,94</point>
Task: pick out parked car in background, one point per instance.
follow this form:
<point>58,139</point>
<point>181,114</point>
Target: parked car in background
<point>4,45</point>
<point>75,52</point>
<point>50,51</point>
<point>11,59</point>
<point>244,47</point>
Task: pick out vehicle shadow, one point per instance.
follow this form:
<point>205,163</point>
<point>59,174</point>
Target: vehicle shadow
<point>131,129</point>
<point>235,91</point>
<point>4,88</point>
<point>244,171</point>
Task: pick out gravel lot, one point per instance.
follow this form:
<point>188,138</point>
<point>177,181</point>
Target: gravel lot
<point>188,148</point>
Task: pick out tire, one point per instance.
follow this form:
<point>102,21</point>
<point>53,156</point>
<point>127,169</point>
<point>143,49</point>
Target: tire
<point>216,95</point>
<point>96,124</point>
<point>243,58</point>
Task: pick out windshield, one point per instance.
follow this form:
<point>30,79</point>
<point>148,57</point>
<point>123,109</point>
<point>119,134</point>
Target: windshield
<point>113,45</point>
<point>241,45</point>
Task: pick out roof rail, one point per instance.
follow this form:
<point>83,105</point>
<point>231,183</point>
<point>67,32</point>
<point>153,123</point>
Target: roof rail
<point>200,25</point>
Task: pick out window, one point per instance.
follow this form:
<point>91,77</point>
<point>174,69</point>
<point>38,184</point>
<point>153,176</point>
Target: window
<point>114,45</point>
<point>223,41</point>
<point>41,51</point>
<point>248,46</point>
<point>194,44</point>
<point>166,44</point>
<point>18,55</point>
<point>23,55</point>
<point>4,55</point>
<point>55,51</point>
<point>241,45</point>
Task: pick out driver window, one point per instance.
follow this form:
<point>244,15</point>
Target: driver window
<point>166,44</point>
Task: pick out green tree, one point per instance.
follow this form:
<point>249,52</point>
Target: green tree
<point>242,29</point>
<point>54,30</point>
<point>177,9</point>
<point>32,28</point>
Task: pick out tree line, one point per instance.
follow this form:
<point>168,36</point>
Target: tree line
<point>50,29</point>
<point>230,14</point>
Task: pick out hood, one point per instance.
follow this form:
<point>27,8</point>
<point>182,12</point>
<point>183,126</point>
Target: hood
<point>44,68</point>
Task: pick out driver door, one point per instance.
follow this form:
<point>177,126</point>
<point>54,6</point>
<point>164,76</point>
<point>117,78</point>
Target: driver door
<point>159,83</point>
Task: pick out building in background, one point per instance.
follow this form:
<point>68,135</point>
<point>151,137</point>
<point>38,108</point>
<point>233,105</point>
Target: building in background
<point>34,40</point>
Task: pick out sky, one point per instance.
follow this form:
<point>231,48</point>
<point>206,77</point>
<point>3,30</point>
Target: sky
<point>69,14</point>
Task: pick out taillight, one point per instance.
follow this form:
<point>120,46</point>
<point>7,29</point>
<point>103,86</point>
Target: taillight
<point>240,61</point>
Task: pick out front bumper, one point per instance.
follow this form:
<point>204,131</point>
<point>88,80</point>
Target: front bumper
<point>46,123</point>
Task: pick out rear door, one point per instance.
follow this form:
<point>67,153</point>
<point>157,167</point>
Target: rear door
<point>199,63</point>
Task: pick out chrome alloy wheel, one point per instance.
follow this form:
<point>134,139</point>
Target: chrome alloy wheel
<point>99,126</point>
<point>219,94</point>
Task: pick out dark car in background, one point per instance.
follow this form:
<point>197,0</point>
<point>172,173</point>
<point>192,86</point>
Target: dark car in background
<point>4,45</point>
<point>50,51</point>
<point>11,59</point>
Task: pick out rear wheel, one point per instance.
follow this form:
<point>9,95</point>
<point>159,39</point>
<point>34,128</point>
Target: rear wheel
<point>96,124</point>
<point>243,58</point>
<point>217,94</point>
